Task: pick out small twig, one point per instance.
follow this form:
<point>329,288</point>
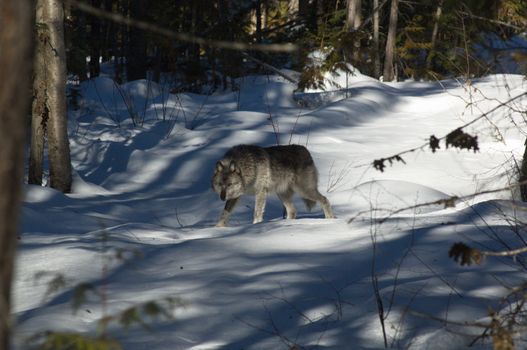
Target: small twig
<point>442,320</point>
<point>177,218</point>
<point>447,202</point>
<point>375,281</point>
<point>378,164</point>
<point>294,127</point>
<point>452,288</point>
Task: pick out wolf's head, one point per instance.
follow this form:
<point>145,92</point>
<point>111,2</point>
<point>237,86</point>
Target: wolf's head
<point>227,180</point>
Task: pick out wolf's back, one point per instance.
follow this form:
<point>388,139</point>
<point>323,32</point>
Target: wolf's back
<point>292,157</point>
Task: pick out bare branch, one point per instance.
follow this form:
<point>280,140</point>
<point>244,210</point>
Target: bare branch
<point>433,142</point>
<point>447,202</point>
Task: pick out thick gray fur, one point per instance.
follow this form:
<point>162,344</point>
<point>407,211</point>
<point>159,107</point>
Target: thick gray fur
<point>253,170</point>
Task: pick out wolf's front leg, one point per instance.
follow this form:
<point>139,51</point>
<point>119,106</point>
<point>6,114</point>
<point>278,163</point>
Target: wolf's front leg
<point>259,206</point>
<point>229,206</point>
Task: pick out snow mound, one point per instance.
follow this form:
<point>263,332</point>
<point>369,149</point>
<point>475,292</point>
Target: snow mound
<point>393,195</point>
<point>336,86</point>
<point>85,188</point>
<point>40,194</point>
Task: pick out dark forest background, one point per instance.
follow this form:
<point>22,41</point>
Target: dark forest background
<point>432,39</point>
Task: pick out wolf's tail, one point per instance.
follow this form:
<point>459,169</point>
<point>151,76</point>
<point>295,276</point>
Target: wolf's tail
<point>309,203</point>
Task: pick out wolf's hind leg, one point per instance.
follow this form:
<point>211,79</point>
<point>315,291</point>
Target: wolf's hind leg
<point>324,203</point>
<point>312,195</point>
<point>229,206</point>
<point>259,206</point>
<point>286,199</point>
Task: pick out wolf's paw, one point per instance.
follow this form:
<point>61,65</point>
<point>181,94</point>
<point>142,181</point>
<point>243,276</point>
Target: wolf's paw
<point>221,224</point>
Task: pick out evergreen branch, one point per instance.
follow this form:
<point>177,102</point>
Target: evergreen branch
<point>185,37</point>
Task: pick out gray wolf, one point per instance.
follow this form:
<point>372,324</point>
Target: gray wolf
<point>254,170</point>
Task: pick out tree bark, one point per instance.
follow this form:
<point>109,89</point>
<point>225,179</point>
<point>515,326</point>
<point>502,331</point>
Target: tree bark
<point>353,22</point>
<point>57,126</point>
<point>39,113</point>
<point>95,42</point>
<point>389,71</point>
<point>431,52</point>
<point>353,14</point>
<point>15,70</point>
<point>376,45</point>
<point>293,7</point>
<point>258,8</point>
<point>523,175</point>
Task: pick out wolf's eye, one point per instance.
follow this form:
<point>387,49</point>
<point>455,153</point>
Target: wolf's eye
<point>229,184</point>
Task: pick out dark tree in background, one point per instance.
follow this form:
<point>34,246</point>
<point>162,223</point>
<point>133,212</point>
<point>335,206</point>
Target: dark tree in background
<point>389,69</point>
<point>95,42</point>
<point>136,56</point>
<point>15,68</point>
<point>429,39</point>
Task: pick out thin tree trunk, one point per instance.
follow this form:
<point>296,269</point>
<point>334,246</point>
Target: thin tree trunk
<point>356,24</point>
<point>108,33</point>
<point>293,8</point>
<point>55,56</point>
<point>95,42</point>
<point>353,22</point>
<point>523,175</point>
<point>265,14</point>
<point>15,70</point>
<point>437,17</point>
<point>258,21</point>
<point>136,60</point>
<point>389,71</point>
<point>120,34</point>
<point>39,116</point>
<point>376,45</point>
<point>351,9</point>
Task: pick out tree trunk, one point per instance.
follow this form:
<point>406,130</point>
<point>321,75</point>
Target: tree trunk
<point>353,22</point>
<point>258,21</point>
<point>352,14</point>
<point>95,42</point>
<point>293,8</point>
<point>389,71</point>
<point>55,58</point>
<point>15,70</point>
<point>117,47</point>
<point>136,60</point>
<point>40,114</point>
<point>376,46</point>
<point>108,33</point>
<point>523,175</point>
<point>265,14</point>
<point>437,17</point>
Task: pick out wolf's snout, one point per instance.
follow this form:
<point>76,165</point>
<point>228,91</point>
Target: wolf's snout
<point>222,195</point>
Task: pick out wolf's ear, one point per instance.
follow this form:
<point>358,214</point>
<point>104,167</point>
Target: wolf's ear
<point>219,167</point>
<point>233,168</point>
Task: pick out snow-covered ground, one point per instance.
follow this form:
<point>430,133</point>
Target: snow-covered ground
<point>139,223</point>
